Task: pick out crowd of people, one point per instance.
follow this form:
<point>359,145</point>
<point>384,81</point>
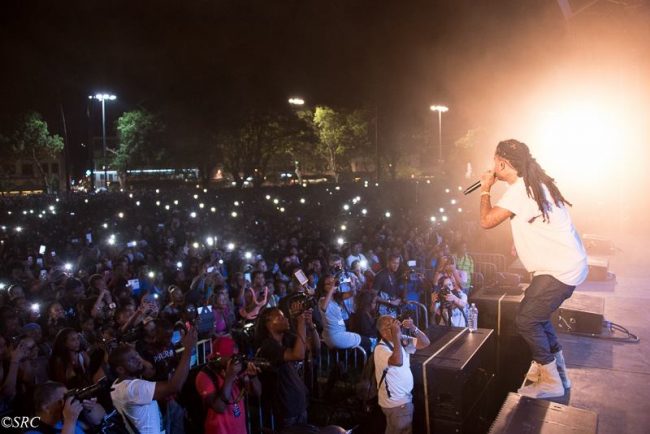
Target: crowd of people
<point>104,298</point>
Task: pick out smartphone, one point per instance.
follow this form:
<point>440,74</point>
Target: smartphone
<point>132,244</point>
<point>43,275</point>
<point>53,253</point>
<point>210,269</point>
<point>411,264</point>
<point>134,283</point>
<point>247,276</point>
<point>176,337</point>
<point>75,241</point>
<point>300,275</point>
<point>41,250</point>
<point>89,237</point>
<point>39,262</point>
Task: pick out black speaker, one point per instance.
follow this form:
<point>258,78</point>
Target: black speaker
<point>497,310</point>
<point>520,414</point>
<point>453,378</point>
<point>581,313</point>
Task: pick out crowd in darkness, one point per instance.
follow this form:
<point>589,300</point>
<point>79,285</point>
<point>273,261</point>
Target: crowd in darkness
<point>116,289</point>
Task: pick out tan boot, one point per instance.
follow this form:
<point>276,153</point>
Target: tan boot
<point>561,369</point>
<point>533,372</point>
<point>549,384</point>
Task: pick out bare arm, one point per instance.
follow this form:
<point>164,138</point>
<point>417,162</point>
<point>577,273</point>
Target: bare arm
<point>165,389</point>
<point>395,358</point>
<point>490,216</point>
<point>297,353</point>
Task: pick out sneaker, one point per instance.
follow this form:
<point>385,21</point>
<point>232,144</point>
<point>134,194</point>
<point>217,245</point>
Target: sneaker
<point>549,384</point>
<point>561,369</point>
<point>533,372</point>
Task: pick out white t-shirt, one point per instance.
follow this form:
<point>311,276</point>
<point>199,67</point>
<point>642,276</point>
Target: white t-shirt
<point>553,247</point>
<point>134,399</point>
<point>398,381</point>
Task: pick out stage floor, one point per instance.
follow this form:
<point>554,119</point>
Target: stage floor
<point>613,378</point>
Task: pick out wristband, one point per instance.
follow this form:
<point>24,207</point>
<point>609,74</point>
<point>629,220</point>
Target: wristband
<point>485,193</point>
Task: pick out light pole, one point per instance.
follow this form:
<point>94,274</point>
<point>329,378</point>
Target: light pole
<point>103,97</point>
<point>440,109</point>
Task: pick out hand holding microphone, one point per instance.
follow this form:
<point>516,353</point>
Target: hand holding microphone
<point>487,181</point>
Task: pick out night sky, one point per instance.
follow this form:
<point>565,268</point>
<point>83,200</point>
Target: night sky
<point>194,61</point>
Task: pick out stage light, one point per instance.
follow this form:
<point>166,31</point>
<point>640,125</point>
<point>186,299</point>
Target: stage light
<point>387,214</point>
<point>120,215</point>
<point>179,265</point>
<point>151,275</point>
<point>193,214</point>
<point>213,209</point>
<point>433,218</point>
<point>231,246</point>
<point>67,266</point>
<point>248,255</point>
<point>346,207</point>
<point>343,227</point>
<point>364,211</point>
<point>233,214</point>
<point>195,245</point>
<point>340,241</point>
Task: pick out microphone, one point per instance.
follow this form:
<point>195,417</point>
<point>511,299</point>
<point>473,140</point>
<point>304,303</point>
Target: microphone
<point>472,187</point>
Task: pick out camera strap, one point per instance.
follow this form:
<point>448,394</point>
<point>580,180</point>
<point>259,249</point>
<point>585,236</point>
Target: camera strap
<point>383,375</point>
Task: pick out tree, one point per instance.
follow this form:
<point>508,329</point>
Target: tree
<point>341,136</point>
<point>33,141</point>
<point>140,136</point>
<point>249,143</point>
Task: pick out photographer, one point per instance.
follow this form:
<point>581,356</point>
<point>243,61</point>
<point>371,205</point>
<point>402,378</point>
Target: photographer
<point>222,385</point>
<point>449,304</point>
<point>346,282</point>
<point>57,414</point>
<point>137,400</point>
<point>387,286</point>
<point>282,385</point>
<point>331,308</point>
<point>393,372</point>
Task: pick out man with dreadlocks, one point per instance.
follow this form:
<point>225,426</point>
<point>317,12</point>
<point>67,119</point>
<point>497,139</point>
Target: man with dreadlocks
<point>548,246</point>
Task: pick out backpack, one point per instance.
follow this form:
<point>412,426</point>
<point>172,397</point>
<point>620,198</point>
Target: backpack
<point>367,387</point>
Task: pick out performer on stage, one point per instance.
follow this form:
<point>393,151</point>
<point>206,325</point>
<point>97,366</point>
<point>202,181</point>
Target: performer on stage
<point>548,246</point>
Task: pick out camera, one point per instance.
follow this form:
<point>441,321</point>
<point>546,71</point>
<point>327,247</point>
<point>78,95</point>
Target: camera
<point>89,392</point>
<point>300,302</point>
<point>242,359</point>
<point>132,335</point>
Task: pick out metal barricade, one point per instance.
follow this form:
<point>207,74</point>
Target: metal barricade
<point>325,367</point>
<point>420,308</point>
<point>202,350</point>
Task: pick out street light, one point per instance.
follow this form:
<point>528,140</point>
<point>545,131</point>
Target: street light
<point>103,97</point>
<point>296,101</point>
<point>440,109</point>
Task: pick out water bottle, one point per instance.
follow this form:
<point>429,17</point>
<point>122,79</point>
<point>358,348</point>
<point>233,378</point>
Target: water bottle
<point>472,320</point>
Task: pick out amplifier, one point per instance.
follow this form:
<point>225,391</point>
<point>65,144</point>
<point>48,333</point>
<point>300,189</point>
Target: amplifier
<point>497,310</point>
<point>598,268</point>
<point>520,414</point>
<point>453,380</point>
<point>580,313</point>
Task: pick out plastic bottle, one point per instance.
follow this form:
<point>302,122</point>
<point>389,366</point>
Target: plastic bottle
<point>472,320</point>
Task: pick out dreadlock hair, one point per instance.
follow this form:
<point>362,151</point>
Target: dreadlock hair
<point>518,154</point>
